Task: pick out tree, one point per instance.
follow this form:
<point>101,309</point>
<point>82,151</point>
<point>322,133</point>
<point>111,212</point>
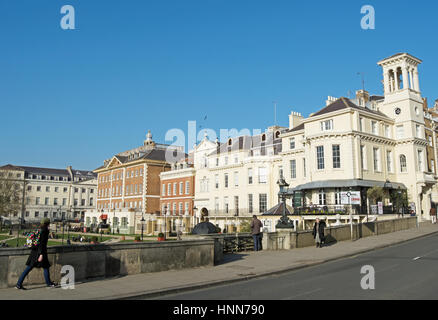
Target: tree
<point>10,194</point>
<point>375,194</point>
<point>400,200</point>
<point>245,226</point>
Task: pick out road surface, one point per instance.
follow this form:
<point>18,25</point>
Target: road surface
<point>405,271</point>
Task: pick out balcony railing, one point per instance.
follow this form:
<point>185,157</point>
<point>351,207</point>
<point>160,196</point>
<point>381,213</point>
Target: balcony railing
<point>233,213</point>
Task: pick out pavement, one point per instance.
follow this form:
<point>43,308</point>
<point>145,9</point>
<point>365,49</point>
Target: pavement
<point>234,268</point>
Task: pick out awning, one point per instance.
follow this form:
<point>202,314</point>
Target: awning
<point>342,184</point>
<point>103,217</point>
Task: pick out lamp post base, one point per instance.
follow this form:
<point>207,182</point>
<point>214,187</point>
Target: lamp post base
<point>285,223</point>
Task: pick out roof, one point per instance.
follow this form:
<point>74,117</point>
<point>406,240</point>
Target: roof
<point>165,155</point>
<point>344,103</point>
<point>297,128</point>
<point>251,143</point>
<point>11,167</point>
<point>49,171</point>
<point>345,184</point>
<point>278,210</point>
<point>376,98</point>
<point>400,54</point>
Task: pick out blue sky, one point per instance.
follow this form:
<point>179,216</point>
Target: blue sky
<point>76,97</point>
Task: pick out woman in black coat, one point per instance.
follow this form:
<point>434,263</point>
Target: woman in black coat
<point>38,257</point>
<point>318,232</point>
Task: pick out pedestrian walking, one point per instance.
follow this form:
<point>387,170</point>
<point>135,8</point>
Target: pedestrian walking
<point>38,257</point>
<point>318,233</point>
<point>256,226</point>
<point>433,215</point>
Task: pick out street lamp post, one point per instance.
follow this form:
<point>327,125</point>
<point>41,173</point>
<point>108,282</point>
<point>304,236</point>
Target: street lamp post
<point>68,225</point>
<point>142,226</point>
<point>400,202</point>
<point>351,213</point>
<point>388,186</point>
<point>284,222</point>
<point>63,227</point>
<point>114,216</point>
<point>164,214</point>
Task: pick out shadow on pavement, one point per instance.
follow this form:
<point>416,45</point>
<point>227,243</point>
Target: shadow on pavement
<point>231,257</point>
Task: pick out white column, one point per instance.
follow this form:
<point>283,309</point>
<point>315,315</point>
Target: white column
<point>410,78</point>
<point>405,77</point>
<point>396,84</point>
<point>386,81</point>
<point>416,80</point>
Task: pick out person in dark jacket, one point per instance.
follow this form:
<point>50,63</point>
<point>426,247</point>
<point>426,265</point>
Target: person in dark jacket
<point>38,257</point>
<point>318,232</point>
<point>256,225</point>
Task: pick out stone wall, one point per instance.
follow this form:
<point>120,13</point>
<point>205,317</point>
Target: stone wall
<point>288,239</point>
<point>102,261</point>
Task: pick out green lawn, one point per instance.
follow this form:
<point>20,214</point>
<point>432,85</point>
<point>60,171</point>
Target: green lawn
<point>13,242</point>
<point>144,240</point>
<point>3,237</point>
<point>104,238</point>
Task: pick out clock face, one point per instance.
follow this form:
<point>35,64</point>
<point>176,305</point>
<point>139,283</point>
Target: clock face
<point>397,111</point>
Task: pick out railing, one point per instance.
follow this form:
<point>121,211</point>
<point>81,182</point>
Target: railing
<point>323,210</point>
<point>238,243</point>
<point>233,213</point>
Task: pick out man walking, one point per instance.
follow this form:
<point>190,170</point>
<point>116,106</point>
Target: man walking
<point>433,215</point>
<point>256,226</point>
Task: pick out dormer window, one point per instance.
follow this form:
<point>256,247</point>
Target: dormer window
<point>327,125</point>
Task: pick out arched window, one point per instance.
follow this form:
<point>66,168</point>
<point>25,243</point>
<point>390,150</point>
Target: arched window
<point>403,163</point>
<point>277,135</point>
<point>264,137</point>
<point>230,142</point>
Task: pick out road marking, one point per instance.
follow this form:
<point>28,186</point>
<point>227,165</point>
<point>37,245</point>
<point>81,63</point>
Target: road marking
<point>424,255</point>
<point>302,294</point>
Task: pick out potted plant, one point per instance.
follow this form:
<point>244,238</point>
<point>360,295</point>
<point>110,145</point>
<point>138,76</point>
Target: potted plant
<point>137,239</point>
<point>161,236</point>
<point>94,240</point>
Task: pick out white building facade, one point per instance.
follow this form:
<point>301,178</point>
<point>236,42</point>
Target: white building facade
<point>58,194</point>
<point>237,179</point>
<point>353,145</point>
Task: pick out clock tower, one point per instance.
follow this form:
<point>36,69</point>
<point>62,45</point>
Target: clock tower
<point>403,101</point>
<point>404,104</point>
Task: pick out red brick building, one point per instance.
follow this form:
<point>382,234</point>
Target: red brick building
<point>129,188</point>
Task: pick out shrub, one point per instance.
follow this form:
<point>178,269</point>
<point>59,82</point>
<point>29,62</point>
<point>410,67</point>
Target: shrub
<point>137,238</point>
<point>245,227</point>
<point>94,239</point>
<point>376,193</point>
<point>161,235</point>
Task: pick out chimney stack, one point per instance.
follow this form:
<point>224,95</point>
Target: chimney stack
<point>362,97</point>
<point>330,100</point>
<point>295,119</point>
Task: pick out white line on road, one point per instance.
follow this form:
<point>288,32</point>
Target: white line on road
<point>302,294</point>
<point>425,255</point>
